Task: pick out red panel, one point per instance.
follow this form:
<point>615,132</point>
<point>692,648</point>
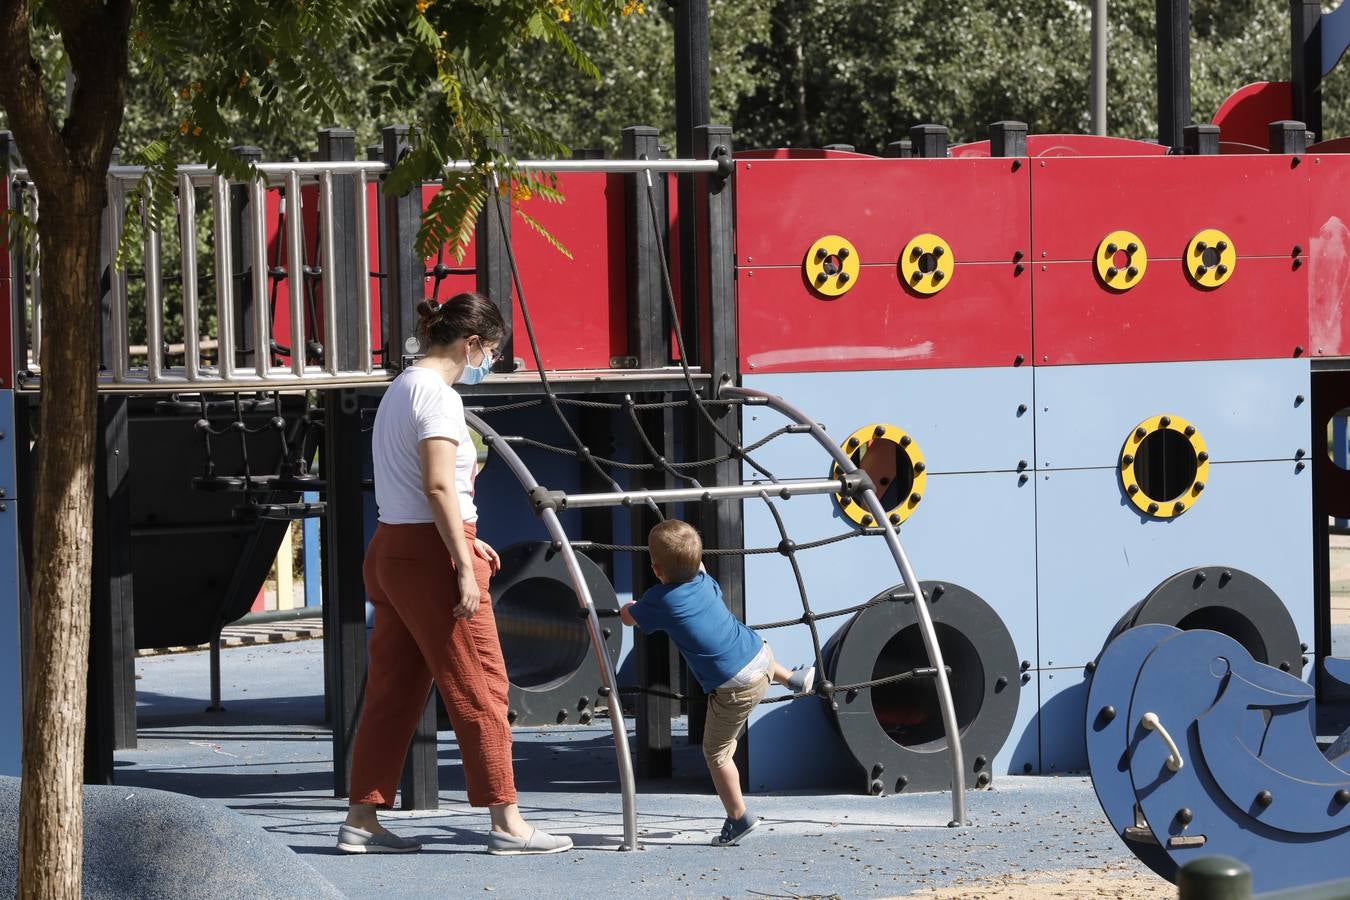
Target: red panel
<point>978,206</point>
<point>981,319</point>
<point>1039,145</point>
<point>799,153</point>
<point>1260,202</point>
<point>578,305</point>
<point>1329,257</point>
<point>1335,145</point>
<point>1233,148</point>
<point>1246,115</point>
<point>1259,313</point>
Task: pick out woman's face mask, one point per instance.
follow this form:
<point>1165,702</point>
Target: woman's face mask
<point>476,374</point>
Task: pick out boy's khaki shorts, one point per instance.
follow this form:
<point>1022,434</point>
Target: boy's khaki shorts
<point>728,709</point>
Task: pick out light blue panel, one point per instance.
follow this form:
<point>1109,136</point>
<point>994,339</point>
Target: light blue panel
<point>974,530</point>
<point>1244,409</point>
<point>1064,694</point>
<point>964,420</point>
<point>313,562</point>
<point>1098,556</point>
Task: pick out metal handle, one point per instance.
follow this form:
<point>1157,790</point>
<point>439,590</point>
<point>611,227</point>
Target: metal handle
<point>1150,722</point>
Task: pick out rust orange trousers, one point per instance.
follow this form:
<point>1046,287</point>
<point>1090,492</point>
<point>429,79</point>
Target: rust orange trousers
<point>416,642</point>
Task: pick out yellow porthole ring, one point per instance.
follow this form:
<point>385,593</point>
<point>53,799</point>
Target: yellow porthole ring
<point>1210,258</point>
<point>1121,260</point>
<point>1181,454</point>
<point>831,266</point>
<point>926,264</point>
<point>896,467</point>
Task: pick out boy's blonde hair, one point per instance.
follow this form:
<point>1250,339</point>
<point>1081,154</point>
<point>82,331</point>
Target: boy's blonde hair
<point>676,549</point>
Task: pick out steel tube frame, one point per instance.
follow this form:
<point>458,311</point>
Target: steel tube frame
<point>847,465</point>
<point>154,310</point>
<point>363,274</point>
<point>328,265</point>
<point>607,675</point>
<point>187,241</point>
<point>117,290</point>
<point>719,492</point>
<point>220,203</point>
<point>295,275</point>
<point>262,322</point>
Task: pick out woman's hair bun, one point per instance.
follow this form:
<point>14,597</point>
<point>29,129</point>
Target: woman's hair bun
<point>428,308</point>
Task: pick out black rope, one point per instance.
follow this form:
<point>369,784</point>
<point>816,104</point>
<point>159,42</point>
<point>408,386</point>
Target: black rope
<point>584,452</point>
<point>669,295</point>
<point>656,455</point>
<point>733,551</point>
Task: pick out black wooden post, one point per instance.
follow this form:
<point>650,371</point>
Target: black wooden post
<point>404,268</point>
<point>344,593</point>
<point>722,524</point>
<point>1201,139</point>
<point>1174,70</point>
<point>1287,137</point>
<point>110,723</point>
<point>648,323</point>
<point>493,230</point>
<point>1008,139</point>
<point>1305,63</point>
<point>929,141</point>
<point>241,242</point>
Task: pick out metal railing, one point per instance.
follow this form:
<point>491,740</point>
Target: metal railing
<point>211,279</point>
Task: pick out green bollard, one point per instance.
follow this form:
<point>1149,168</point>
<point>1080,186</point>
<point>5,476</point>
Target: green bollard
<point>1214,878</point>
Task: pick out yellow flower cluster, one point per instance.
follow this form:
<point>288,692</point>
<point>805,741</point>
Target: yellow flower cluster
<point>560,10</point>
<point>422,7</point>
<point>521,193</point>
<point>634,6</point>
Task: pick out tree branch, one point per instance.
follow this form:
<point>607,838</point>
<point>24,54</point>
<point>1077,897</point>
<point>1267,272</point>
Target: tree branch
<point>95,36</point>
<point>23,93</point>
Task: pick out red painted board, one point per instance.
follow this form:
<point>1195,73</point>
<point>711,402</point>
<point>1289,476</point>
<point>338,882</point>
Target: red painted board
<point>983,318</point>
<point>1335,145</point>
<point>1049,145</point>
<point>1261,202</point>
<point>1329,256</point>
<point>800,153</point>
<point>1259,313</point>
<point>1246,115</point>
<point>578,305</point>
<point>980,207</point>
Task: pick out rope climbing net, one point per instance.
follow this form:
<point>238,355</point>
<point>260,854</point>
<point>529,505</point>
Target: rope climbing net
<point>851,482</point>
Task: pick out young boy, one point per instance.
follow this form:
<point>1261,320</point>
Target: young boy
<point>731,662</point>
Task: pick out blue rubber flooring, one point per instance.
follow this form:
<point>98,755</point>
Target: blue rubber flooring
<point>268,757</point>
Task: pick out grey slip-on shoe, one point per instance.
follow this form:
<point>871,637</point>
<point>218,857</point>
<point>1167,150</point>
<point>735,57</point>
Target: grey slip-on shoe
<point>538,843</point>
<point>358,840</point>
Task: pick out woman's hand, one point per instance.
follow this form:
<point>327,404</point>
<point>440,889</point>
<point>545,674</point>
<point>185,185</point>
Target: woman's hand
<point>469,596</point>
<point>483,550</point>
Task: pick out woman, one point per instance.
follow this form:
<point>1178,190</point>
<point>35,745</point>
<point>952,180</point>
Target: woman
<point>427,574</point>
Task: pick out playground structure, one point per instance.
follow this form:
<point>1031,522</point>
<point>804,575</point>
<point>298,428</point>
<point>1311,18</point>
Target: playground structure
<point>1073,372</point>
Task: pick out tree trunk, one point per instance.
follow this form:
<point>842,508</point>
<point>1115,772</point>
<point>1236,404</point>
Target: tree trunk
<point>68,163</point>
<point>50,812</point>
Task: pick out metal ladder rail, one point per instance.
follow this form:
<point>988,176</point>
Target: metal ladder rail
<point>527,480</point>
<point>847,466</point>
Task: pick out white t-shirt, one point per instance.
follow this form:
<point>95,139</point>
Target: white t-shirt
<point>419,405</point>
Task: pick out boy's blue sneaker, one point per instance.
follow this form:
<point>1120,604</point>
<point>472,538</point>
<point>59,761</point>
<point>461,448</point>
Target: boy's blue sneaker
<point>735,829</point>
<point>802,680</point>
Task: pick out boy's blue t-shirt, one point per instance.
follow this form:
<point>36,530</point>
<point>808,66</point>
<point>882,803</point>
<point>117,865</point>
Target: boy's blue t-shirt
<point>714,642</point>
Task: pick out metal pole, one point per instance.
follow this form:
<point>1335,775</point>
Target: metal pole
<point>329,281</point>
<point>220,202</point>
<point>187,238</point>
<point>363,275</point>
<point>784,489</point>
<point>117,290</point>
<point>906,573</point>
<point>1099,31</point>
<point>1174,70</point>
<point>607,675</point>
<point>295,271</point>
<point>154,310</point>
<point>262,324</point>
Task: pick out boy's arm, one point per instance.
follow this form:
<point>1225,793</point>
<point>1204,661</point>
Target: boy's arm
<point>627,617</point>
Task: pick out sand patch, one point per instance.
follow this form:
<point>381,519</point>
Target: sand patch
<point>1117,881</point>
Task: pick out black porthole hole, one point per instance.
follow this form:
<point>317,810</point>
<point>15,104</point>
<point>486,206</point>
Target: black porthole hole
<point>908,711</point>
<point>927,263</point>
<point>1210,257</point>
<point>1165,465</point>
<point>890,467</point>
<point>543,639</point>
<point>1232,623</point>
<point>832,265</point>
<point>1331,429</point>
